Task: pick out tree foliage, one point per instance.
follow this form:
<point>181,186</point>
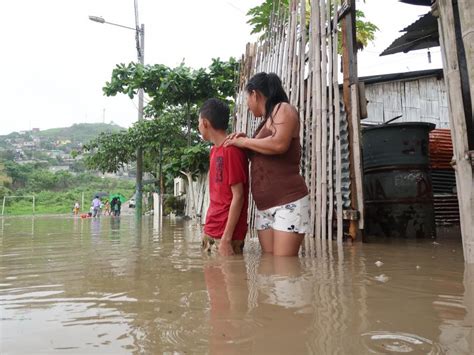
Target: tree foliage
<point>109,152</point>
<point>169,139</point>
<point>174,87</point>
<point>194,159</point>
<point>262,15</point>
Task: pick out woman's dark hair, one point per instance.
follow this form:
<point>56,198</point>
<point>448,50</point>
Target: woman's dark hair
<point>270,86</point>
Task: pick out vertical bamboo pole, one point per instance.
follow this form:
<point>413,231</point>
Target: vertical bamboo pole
<point>263,59</point>
<point>275,45</point>
<point>302,58</point>
<point>324,119</point>
<point>271,38</point>
<point>317,112</point>
<point>337,129</point>
<point>281,47</point>
<point>310,127</point>
<point>278,47</point>
<point>291,47</point>
<point>308,135</point>
<point>295,72</point>
<point>288,58</point>
<point>284,50</point>
<point>331,123</point>
<point>263,63</point>
<point>278,37</point>
<point>258,55</point>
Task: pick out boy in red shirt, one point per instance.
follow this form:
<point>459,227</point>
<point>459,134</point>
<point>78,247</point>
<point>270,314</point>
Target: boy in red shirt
<point>226,220</point>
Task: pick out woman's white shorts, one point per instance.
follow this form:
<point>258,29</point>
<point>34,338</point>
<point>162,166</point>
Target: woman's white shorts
<point>291,217</point>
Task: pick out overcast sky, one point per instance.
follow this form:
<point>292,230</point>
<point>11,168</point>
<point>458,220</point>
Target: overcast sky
<point>55,61</point>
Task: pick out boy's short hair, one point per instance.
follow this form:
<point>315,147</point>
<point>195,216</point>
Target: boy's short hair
<point>216,112</point>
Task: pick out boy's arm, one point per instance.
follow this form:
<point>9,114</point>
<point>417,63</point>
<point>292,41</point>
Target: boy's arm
<point>225,247</point>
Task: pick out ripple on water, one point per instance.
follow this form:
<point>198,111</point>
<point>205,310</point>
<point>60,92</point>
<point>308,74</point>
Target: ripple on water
<point>387,342</point>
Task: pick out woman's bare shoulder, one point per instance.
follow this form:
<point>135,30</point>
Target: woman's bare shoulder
<point>285,112</point>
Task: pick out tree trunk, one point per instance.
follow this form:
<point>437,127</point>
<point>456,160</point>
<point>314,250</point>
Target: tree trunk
<point>188,120</point>
<point>192,198</point>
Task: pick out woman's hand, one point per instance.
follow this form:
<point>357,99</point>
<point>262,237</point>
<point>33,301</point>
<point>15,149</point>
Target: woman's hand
<point>236,142</point>
<point>235,139</point>
<point>235,135</point>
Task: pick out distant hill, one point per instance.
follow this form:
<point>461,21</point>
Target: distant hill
<point>80,132</point>
<point>77,133</point>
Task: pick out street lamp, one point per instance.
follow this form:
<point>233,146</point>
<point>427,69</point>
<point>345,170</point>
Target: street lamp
<point>140,42</point>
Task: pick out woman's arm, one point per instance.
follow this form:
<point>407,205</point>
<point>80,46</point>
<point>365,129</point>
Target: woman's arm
<point>285,124</point>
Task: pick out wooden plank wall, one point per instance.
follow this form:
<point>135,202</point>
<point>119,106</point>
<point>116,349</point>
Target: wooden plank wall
<point>419,100</point>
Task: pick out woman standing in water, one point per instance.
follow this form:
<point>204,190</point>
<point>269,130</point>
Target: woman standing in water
<point>278,189</point>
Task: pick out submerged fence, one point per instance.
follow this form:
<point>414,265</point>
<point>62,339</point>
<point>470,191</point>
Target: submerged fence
<point>301,46</point>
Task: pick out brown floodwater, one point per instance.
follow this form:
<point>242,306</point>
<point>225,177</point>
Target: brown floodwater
<point>111,286</point>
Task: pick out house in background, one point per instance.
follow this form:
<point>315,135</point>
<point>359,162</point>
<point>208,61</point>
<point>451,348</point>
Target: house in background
<point>418,96</point>
<point>450,24</point>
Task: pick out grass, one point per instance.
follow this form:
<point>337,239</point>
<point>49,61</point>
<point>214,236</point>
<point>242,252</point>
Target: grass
<point>50,202</point>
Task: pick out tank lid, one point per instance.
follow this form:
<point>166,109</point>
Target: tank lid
<point>429,126</point>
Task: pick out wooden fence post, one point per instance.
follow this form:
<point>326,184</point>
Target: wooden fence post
<point>457,116</point>
<point>349,55</point>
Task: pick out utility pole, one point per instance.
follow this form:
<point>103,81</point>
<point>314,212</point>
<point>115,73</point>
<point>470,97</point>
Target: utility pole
<point>140,44</point>
<point>140,41</point>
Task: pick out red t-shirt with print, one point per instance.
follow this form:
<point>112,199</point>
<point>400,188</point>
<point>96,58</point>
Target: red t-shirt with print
<point>227,166</point>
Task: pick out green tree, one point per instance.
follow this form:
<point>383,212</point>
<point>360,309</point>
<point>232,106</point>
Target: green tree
<point>181,88</point>
<point>170,139</point>
<point>110,152</point>
<point>191,162</point>
<point>262,15</point>
<point>8,154</point>
<point>18,173</point>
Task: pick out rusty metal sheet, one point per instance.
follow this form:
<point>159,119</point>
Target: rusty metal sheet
<point>441,149</point>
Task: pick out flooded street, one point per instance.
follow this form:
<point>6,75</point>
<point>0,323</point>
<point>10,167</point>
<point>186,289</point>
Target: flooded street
<point>111,286</point>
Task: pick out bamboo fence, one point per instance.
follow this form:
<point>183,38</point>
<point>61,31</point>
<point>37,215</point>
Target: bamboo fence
<point>304,54</point>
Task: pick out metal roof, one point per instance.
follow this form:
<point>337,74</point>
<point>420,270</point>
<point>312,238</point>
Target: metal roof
<point>417,2</point>
<point>374,79</point>
<point>421,34</point>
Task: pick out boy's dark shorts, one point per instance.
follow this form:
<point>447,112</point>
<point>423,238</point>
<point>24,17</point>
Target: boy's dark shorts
<point>209,244</point>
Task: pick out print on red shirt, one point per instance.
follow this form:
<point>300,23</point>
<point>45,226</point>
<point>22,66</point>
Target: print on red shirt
<point>219,169</point>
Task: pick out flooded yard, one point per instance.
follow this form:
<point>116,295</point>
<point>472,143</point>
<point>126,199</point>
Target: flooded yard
<point>109,285</point>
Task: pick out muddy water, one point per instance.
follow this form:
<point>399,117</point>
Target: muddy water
<point>111,286</point>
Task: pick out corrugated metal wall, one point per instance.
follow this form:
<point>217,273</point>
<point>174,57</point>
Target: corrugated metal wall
<point>345,162</point>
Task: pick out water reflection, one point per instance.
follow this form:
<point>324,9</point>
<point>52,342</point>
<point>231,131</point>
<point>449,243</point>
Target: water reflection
<point>228,293</point>
<point>95,227</point>
<point>469,304</point>
<point>121,286</point>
